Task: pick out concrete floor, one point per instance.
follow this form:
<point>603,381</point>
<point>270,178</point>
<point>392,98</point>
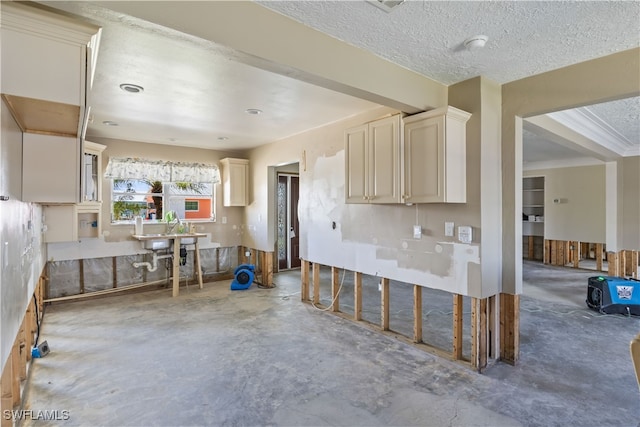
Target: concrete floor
<point>261,357</point>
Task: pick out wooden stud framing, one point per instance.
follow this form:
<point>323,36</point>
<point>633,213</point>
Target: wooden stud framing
<point>483,348</point>
<point>267,269</point>
<point>22,350</point>
<point>599,257</point>
<point>316,283</point>
<point>634,264</point>
<point>304,282</point>
<point>6,393</point>
<point>457,326</point>
<point>357,295</point>
<point>622,263</point>
<point>335,288</point>
<point>81,262</point>
<point>612,264</point>
<point>492,313</point>
<point>547,252</point>
<point>15,363</point>
<point>114,270</point>
<point>509,328</point>
<point>530,247</point>
<point>417,313</point>
<point>384,304</point>
<point>575,254</point>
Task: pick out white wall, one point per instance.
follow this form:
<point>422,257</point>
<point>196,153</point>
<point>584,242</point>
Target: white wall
<point>116,239</point>
<point>581,213</point>
<point>22,254</point>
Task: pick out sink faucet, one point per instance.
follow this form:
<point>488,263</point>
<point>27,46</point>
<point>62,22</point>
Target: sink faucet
<point>172,221</point>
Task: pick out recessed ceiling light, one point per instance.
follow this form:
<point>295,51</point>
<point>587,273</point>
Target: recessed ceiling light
<point>131,88</point>
<point>223,138</point>
<point>109,123</point>
<point>253,111</point>
<point>475,42</point>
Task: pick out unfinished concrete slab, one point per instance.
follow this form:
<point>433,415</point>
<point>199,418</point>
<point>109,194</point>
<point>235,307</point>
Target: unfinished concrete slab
<point>261,357</point>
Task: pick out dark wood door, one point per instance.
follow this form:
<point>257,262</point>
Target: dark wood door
<point>294,235</point>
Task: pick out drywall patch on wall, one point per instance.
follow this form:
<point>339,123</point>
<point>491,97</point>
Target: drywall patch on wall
<point>376,239</point>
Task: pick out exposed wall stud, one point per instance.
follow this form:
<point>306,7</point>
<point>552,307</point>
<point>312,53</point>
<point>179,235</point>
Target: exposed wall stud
<point>357,296</point>
<point>384,303</point>
<point>316,283</point>
<point>417,313</point>
<point>304,282</point>
<point>457,326</point>
<point>335,287</point>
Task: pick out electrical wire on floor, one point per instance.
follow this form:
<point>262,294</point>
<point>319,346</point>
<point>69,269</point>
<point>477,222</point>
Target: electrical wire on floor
<point>35,303</point>
<point>333,301</point>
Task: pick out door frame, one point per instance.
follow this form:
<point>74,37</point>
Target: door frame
<point>288,224</point>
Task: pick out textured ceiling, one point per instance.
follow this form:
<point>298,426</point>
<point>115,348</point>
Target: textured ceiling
<point>525,37</point>
<point>195,91</point>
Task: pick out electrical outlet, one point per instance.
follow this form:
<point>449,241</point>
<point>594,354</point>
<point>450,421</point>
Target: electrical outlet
<point>417,232</point>
<point>465,234</point>
<point>224,219</point>
<point>448,229</point>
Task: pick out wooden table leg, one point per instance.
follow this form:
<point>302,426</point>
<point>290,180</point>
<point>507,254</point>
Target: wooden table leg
<point>198,264</point>
<point>176,267</point>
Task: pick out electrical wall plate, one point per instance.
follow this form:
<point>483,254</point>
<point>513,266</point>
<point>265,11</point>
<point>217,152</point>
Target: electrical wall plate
<point>448,229</point>
<point>465,234</point>
<point>417,232</point>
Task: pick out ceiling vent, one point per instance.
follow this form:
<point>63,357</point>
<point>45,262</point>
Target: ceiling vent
<point>386,5</point>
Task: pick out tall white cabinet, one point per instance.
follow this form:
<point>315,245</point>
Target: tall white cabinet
<point>372,157</point>
<point>435,156</point>
<point>235,182</point>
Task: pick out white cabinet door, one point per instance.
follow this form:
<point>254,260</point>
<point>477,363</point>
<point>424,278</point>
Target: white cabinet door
<point>50,168</point>
<point>235,182</point>
<point>435,157</point>
<point>424,160</point>
<point>61,222</point>
<point>356,161</point>
<point>384,155</point>
<point>372,160</point>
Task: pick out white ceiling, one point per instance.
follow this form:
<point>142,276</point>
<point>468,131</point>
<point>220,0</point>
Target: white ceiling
<point>195,93</point>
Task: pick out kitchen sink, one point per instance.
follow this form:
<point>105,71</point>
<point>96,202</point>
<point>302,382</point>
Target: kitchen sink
<point>156,242</point>
<point>188,240</point>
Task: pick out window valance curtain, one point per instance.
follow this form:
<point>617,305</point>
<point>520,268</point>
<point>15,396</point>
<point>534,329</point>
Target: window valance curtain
<point>160,170</point>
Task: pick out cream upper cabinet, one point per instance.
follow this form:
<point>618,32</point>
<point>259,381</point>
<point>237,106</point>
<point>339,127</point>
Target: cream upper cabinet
<point>50,168</point>
<point>372,159</point>
<point>47,64</point>
<point>435,157</point>
<point>235,182</point>
<point>45,55</point>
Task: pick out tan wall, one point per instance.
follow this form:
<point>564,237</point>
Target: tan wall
<point>604,79</point>
<point>377,239</point>
<point>581,212</point>
<point>117,238</point>
<point>631,203</point>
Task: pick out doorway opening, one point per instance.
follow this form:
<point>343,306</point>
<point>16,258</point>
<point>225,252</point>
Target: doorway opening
<point>288,225</point>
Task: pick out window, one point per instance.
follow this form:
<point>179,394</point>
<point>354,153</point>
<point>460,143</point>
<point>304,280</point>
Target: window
<point>191,205</point>
<point>151,199</point>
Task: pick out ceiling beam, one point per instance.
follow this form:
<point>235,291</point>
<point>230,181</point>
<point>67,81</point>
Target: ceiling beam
<point>273,42</point>
<point>554,130</point>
